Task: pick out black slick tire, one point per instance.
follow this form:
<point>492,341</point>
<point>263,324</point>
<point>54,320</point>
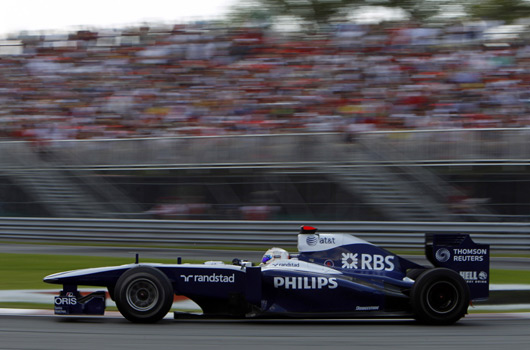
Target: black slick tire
<point>439,296</point>
<point>143,294</point>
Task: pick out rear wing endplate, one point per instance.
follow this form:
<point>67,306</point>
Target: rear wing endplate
<point>458,252</point>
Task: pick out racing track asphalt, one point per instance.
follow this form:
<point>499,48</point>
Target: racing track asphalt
<point>482,332</point>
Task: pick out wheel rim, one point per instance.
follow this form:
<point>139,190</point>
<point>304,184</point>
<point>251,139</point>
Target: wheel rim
<point>142,295</point>
<point>442,297</point>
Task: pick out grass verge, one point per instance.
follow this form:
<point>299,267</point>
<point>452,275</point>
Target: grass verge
<point>26,271</point>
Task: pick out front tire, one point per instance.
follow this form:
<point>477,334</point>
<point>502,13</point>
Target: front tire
<point>439,296</point>
<point>143,294</point>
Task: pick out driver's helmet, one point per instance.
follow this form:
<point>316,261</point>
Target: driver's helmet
<point>274,253</point>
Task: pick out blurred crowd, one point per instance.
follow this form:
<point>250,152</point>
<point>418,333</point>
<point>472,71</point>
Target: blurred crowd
<point>203,79</point>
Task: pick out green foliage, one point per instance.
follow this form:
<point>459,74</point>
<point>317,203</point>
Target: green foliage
<point>320,11</point>
<point>420,10</point>
<point>324,11</point>
<point>505,10</point>
<point>26,271</point>
<point>308,12</point>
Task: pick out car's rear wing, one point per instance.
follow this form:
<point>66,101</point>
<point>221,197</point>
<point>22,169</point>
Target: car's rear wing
<point>458,252</point>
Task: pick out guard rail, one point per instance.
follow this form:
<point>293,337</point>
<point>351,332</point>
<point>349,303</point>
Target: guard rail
<point>501,236</point>
<point>509,146</point>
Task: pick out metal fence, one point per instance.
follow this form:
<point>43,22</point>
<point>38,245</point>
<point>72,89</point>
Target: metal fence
<point>252,149</point>
<point>432,146</point>
<point>453,145</point>
<point>501,236</point>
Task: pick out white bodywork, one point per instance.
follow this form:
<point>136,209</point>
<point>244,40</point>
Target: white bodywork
<point>324,241</point>
<point>298,265</point>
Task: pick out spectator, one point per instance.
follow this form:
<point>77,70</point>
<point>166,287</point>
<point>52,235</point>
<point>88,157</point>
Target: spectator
<point>204,80</point>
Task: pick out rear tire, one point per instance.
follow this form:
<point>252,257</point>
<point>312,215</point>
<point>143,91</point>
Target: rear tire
<point>439,296</point>
<point>143,294</point>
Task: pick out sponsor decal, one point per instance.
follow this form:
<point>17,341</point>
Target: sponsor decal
<point>305,282</point>
<point>367,308</point>
<point>461,255</point>
<point>474,254</point>
<point>285,264</point>
<point>329,263</point>
<point>442,255</point>
<point>474,251</point>
<point>349,260</point>
<point>315,239</point>
<point>312,240</point>
<point>367,261</point>
<point>67,300</point>
<point>474,276</point>
<point>213,278</point>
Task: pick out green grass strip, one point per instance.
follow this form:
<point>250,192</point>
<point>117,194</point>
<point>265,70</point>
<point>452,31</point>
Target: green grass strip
<point>26,271</point>
<point>509,276</point>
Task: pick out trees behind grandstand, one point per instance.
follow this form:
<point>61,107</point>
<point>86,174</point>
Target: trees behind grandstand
<point>321,12</point>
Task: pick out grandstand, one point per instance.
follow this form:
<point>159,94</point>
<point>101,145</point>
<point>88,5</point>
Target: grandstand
<point>381,122</point>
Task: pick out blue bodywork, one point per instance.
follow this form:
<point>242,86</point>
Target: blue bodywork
<point>333,275</point>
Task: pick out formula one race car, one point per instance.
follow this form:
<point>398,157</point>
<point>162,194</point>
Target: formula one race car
<point>332,276</point>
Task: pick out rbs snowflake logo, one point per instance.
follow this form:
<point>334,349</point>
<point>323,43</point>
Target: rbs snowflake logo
<point>349,261</point>
<point>367,262</point>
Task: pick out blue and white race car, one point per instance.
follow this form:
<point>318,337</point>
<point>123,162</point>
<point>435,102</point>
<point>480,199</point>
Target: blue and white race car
<point>332,276</point>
